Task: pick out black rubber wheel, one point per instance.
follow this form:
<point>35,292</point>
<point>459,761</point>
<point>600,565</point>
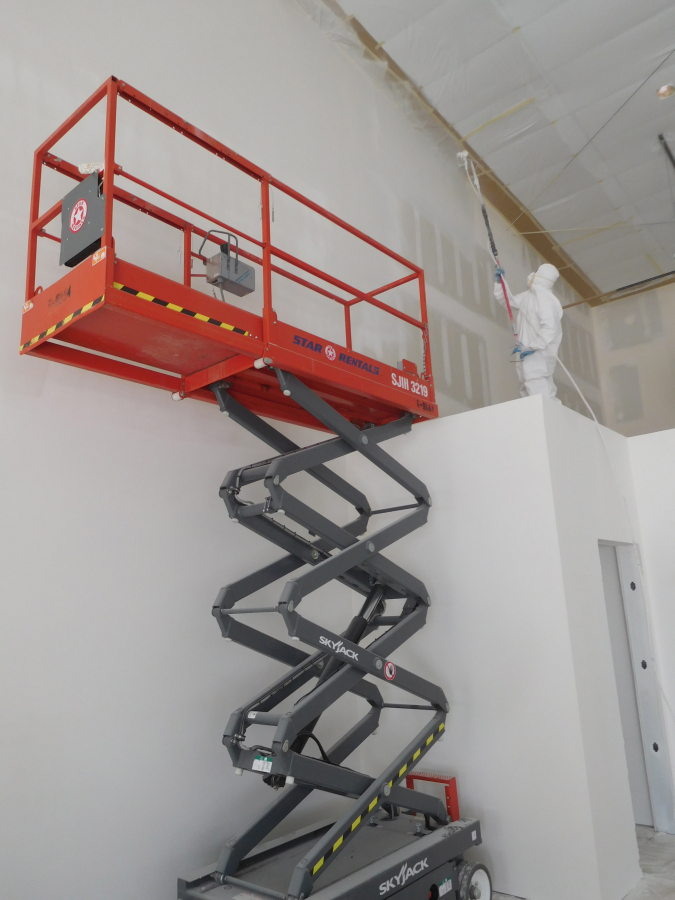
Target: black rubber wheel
<point>474,882</point>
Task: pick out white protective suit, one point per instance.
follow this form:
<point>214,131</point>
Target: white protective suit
<point>538,319</point>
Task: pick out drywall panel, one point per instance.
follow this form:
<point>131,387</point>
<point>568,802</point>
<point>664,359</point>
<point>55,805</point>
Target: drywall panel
<point>636,359</point>
<point>518,637</point>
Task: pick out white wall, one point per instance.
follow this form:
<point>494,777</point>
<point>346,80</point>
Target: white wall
<point>114,541</point>
<point>518,637</point>
<point>592,493</point>
<point>652,460</point>
<point>116,682</point>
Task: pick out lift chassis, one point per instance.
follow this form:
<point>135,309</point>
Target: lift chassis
<point>392,855</point>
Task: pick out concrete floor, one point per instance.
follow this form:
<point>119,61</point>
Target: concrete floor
<point>657,860</point>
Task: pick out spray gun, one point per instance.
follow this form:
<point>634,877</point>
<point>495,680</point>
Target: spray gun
<point>465,162</point>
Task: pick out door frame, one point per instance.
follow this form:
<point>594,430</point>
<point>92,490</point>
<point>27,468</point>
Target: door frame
<point>647,688</point>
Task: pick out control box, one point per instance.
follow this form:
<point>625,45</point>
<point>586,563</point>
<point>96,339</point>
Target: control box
<point>229,273</point>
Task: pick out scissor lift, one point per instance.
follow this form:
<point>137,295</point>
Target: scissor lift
<point>116,318</point>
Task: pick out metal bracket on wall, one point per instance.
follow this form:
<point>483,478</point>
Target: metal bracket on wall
<point>647,690</point>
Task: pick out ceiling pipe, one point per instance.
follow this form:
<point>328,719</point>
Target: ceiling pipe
<point>627,287</point>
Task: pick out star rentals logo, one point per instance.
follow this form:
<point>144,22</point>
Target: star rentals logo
<point>406,872</point>
<point>330,352</point>
<point>78,216</point>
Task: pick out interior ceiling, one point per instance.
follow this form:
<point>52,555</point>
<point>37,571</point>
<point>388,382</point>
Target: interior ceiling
<point>537,88</point>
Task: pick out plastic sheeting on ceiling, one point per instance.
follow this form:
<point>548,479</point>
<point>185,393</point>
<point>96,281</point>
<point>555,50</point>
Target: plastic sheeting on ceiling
<point>528,83</point>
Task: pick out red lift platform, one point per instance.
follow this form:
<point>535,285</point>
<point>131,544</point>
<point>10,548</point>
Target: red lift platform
<point>115,318</point>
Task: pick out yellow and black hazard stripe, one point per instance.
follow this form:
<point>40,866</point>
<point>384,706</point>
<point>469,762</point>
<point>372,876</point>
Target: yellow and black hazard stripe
<point>54,328</point>
<point>380,798</point>
<point>181,309</point>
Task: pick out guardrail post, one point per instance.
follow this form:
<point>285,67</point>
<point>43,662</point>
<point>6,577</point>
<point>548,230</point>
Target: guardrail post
<point>348,327</point>
<point>32,228</point>
<point>268,312</point>
<point>187,256</point>
<point>426,346</point>
<point>109,162</point>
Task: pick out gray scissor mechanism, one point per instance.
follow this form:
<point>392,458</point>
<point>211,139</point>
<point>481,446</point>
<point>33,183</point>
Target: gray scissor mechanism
<point>395,861</point>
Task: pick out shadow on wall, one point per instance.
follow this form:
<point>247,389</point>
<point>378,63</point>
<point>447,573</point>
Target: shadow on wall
<point>637,359</point>
<point>624,384</point>
<point>461,370</point>
<point>631,322</point>
<point>577,351</point>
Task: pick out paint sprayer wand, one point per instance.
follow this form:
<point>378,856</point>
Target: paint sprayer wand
<point>464,160</point>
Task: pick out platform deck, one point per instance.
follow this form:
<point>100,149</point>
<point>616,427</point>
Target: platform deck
<point>119,319</point>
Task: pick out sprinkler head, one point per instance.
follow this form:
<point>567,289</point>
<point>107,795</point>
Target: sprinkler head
<point>462,158</point>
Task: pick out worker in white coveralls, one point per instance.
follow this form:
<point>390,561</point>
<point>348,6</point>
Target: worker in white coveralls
<point>539,330</point>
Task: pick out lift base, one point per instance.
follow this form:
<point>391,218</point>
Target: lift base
<point>391,859</point>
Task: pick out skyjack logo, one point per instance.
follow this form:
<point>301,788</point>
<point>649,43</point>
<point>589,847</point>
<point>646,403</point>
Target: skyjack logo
<point>338,647</point>
<point>407,872</point>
